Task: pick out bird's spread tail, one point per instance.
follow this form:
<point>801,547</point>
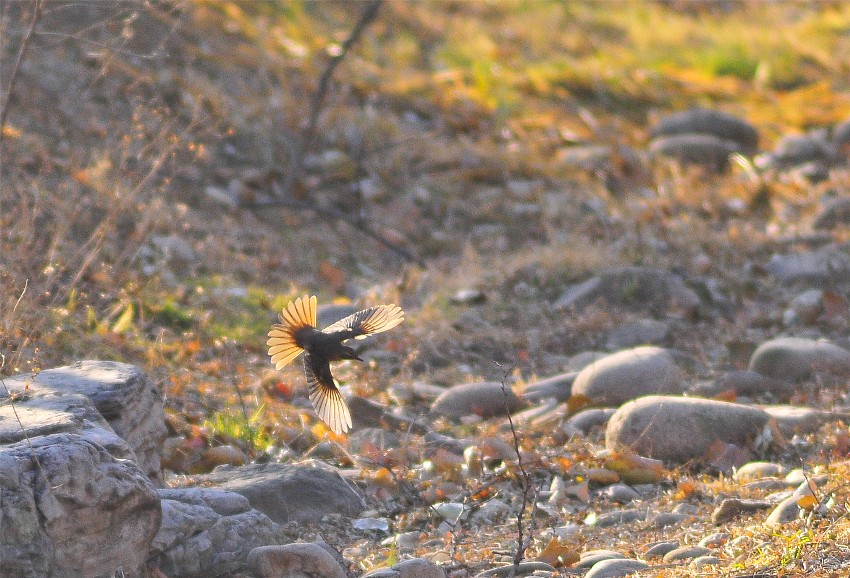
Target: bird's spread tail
<point>283,345</point>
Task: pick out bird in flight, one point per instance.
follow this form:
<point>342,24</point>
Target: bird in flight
<point>297,333</point>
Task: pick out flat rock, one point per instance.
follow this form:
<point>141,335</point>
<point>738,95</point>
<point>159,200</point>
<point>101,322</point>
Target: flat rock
<point>745,382</point>
<point>412,568</point>
<point>208,532</point>
<point>835,212</point>
<point>696,149</point>
<point>284,492</point>
<point>686,553</point>
<point>587,419</point>
<point>299,560</point>
<point>796,358</point>
<point>71,508</point>
<point>796,150</point>
<point>640,332</point>
<point>830,263</point>
<point>486,399</point>
<point>733,507</point>
<point>707,121</point>
<point>637,288</point>
<point>794,420</point>
<point>558,386</point>
<point>615,568</point>
<point>129,402</point>
<point>628,374</point>
<point>678,429</point>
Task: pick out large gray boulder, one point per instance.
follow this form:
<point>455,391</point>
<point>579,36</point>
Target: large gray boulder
<point>123,394</point>
<point>289,492</point>
<point>73,506</point>
<point>208,532</point>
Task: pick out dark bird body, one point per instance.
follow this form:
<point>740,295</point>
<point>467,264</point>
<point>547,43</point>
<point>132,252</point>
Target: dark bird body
<point>297,333</point>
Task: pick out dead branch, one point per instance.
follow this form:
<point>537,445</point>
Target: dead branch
<point>308,136</point>
<point>22,52</point>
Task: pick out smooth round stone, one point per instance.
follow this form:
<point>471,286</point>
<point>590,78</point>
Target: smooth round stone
<point>734,507</point>
<point>523,569</point>
<point>628,374</point>
<point>485,399</point>
<point>707,560</point>
<point>709,121</point>
<point>785,511</point>
<point>659,549</point>
<point>587,419</point>
<point>301,559</point>
<point>558,386</point>
<point>835,212</point>
<point>615,568</point>
<point>686,553</point>
<point>640,332</point>
<point>667,519</point>
<point>619,517</point>
<point>696,149</point>
<point>714,540</point>
<point>593,557</point>
<point>795,358</point>
<point>677,429</point>
<point>619,493</point>
<point>757,470</point>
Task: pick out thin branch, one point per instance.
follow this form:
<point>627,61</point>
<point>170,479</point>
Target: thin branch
<point>334,214</point>
<point>309,134</point>
<point>522,545</point>
<point>22,52</point>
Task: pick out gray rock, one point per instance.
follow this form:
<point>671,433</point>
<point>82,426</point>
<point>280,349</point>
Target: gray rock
<point>300,560</point>
<point>637,288</point>
<point>619,493</point>
<point>830,263</point>
<point>795,358</point>
<point>372,437</point>
<point>714,122</point>
<point>667,519</point>
<point>677,430</point>
<point>793,420</point>
<point>795,150</point>
<point>841,138</point>
<point>469,297</point>
<point>71,508</point>
<point>586,420</point>
<point>366,413</point>
<point>208,532</point>
<point>615,568</point>
<point>558,386</point>
<point>686,553</point>
<point>435,441</point>
<point>785,511</point>
<point>628,374</point>
<point>121,393</point>
<point>592,557</point>
<point>659,549</point>
<point>486,399</point>
<point>745,382</point>
<point>835,212</point>
<point>734,507</point>
<point>696,149</point>
<point>640,332</point>
<point>522,569</point>
<point>412,568</point>
<point>617,517</point>
<point>284,492</point>
<point>757,470</point>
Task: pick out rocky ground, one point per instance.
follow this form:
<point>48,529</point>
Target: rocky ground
<point>624,267</point>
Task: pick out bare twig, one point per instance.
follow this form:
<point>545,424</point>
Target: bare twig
<point>336,215</point>
<point>309,134</point>
<point>22,52</point>
<point>522,542</point>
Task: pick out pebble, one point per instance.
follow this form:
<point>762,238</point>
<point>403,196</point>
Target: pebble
<point>523,569</point>
<point>615,568</point>
<point>619,493</point>
<point>302,559</point>
<point>659,549</point>
<point>734,507</point>
<point>485,399</point>
<point>592,557</point>
<point>714,540</point>
<point>617,517</point>
<point>756,470</point>
<point>686,553</point>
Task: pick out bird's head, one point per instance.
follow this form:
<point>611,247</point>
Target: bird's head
<point>349,353</point>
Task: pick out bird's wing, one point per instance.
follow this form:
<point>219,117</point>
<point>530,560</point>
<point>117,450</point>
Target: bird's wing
<point>368,321</point>
<point>283,340</point>
<point>325,396</point>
